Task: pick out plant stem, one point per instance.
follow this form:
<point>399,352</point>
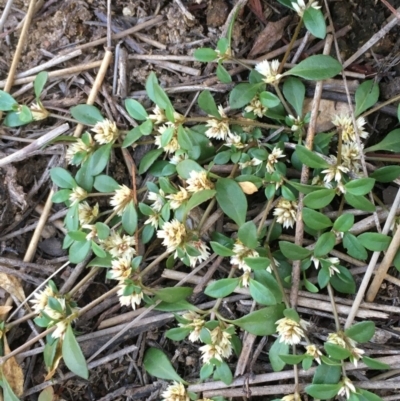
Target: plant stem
<point>206,214</point>
<point>282,99</point>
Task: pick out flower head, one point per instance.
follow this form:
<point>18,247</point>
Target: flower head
<point>256,107</point>
<point>172,146</point>
<point>196,323</point>
<point>106,132</point>
<point>92,231</point>
<point>241,252</point>
<point>343,341</point>
<point>351,156</point>
<point>179,198</point>
<point>203,250</point>
<point>41,298</point>
<point>347,388</point>
<point>79,147</point>
<point>285,212</point>
<point>153,219</point>
<point>313,351</point>
<point>120,269</point>
<point>219,348</point>
<point>269,70</point>
<point>292,397</point>
<point>158,117</point>
<point>290,332</point>
<point>78,194</point>
<point>87,213</point>
<point>174,234</point>
<point>273,159</point>
<point>297,122</point>
<point>300,6</point>
<point>157,199</point>
<point>250,163</point>
<point>234,140</point>
<point>198,181</point>
<point>120,247</point>
<point>344,122</point>
<point>175,392</point>
<point>60,330</point>
<point>334,172</point>
<point>120,200</point>
<point>129,300</point>
<point>38,111</point>
<point>218,128</point>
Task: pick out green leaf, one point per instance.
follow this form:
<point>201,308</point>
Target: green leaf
<point>16,120</point>
<point>292,359</point>
<point>258,263</point>
<point>323,391</point>
<point>206,371</point>
<point>146,127</point>
<point>231,200</point>
<point>158,365</point>
<point>176,306</point>
<point>98,250</point>
<point>8,392</point>
<point>367,94</point>
<point>223,75</point>
<point>223,373</point>
<point>84,178</point>
<point>135,109</point>
<point>77,235</point>
<point>86,114</point>
<point>148,159</point>
<point>344,222</point>
<point>277,349</point>
<point>269,100</point>
<point>222,288</point>
<point>359,202</point>
<point>78,251</point>
<point>101,262</point>
<point>310,158</point>
<point>315,220</point>
<point>295,91</point>
<point>104,183</point>
<point>361,332</point>
<point>99,159</point>
<point>207,103</point>
<point>292,314</point>
<point>261,294</point>
<point>374,241</point>
<point>391,143</point>
<point>205,54</point>
<point>47,394</point>
<point>62,178</point>
<point>242,94</point>
<point>327,374</point>
<point>247,234</point>
<point>367,395</point>
<point>130,218</point>
<point>325,244</point>
<point>354,247</point>
<point>374,364</point>
<point>316,68</point>
<point>261,322</point>
<point>314,21</point>
<point>7,102</point>
<point>200,197</point>
<point>177,333</point>
<point>220,249</point>
<point>361,186</point>
<point>336,352</point>
<point>39,83</point>
<point>398,112</point>
<point>303,188</point>
<point>158,96</point>
<point>173,294</point>
<point>343,281</point>
<point>386,174</point>
<point>293,251</point>
<point>310,286</point>
<point>185,167</point>
<point>132,136</point>
<point>61,196</point>
<point>73,356</point>
<point>319,199</point>
<point>72,218</point>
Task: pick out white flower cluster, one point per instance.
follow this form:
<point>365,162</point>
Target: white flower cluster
<point>240,253</point>
<point>175,392</point>
<point>285,212</point>
<point>300,6</point>
<point>195,323</point>
<point>220,346</point>
<point>41,306</point>
<point>291,332</point>
<point>343,341</point>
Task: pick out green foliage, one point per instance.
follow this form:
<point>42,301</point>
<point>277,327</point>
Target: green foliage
<point>390,143</point>
<point>294,92</point>
<point>62,178</point>
<point>222,288</point>
<point>315,22</point>
<point>149,159</point>
<point>361,332</point>
<point>174,294</point>
<point>231,200</point>
<point>242,94</point>
<point>158,365</point>
<point>316,220</point>
<point>386,173</point>
<point>39,83</point>
<point>248,234</point>
<point>7,102</point>
<point>130,218</point>
<point>319,199</point>
<point>136,110</point>
<point>316,68</point>
<point>293,251</point>
<point>86,114</point>
<point>207,104</point>
<point>73,356</point>
<point>374,241</point>
<point>367,94</point>
<point>205,54</point>
<point>276,352</point>
<point>323,391</point>
<point>344,222</point>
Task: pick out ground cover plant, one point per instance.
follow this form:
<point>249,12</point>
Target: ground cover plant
<point>255,144</point>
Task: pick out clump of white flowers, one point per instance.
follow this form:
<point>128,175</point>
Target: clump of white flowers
<point>344,123</point>
<point>256,107</point>
<point>194,322</point>
<point>121,198</point>
<point>106,132</point>
<point>120,246</point>
<point>173,234</point>
<point>285,212</point>
<point>218,128</point>
<point>300,6</point>
<point>347,388</point>
<point>77,195</point>
<point>220,346</point>
<point>198,181</point>
<point>269,71</point>
<point>175,392</point>
<point>86,213</point>
<point>290,331</point>
<point>343,341</point>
